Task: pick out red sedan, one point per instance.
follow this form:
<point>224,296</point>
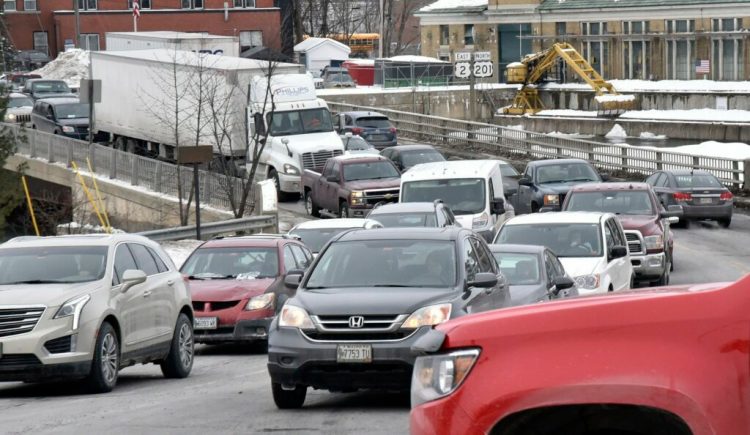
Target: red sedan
<point>667,361</point>
<point>237,285</point>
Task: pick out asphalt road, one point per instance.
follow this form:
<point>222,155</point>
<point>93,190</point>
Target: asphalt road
<point>229,389</point>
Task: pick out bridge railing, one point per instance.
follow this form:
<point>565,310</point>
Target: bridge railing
<point>529,145</point>
<point>154,175</point>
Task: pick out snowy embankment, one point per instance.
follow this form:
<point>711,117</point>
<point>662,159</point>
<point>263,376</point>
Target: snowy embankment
<point>693,115</point>
<point>662,86</point>
<point>71,66</point>
<point>180,250</point>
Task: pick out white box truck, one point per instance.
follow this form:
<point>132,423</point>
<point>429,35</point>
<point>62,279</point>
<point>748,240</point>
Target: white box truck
<point>198,42</point>
<point>150,100</point>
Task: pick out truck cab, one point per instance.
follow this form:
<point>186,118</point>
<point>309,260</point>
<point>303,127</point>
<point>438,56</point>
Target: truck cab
<point>295,126</point>
<point>473,189</point>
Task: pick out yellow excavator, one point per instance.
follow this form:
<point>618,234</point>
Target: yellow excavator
<point>534,67</point>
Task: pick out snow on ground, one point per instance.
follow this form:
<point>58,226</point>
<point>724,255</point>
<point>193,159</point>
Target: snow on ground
<point>651,136</point>
<point>730,150</point>
<point>617,132</point>
<point>71,66</point>
<point>662,86</point>
<point>567,112</point>
<point>570,135</point>
<point>415,59</point>
<point>180,250</point>
<point>453,4</point>
<point>364,90</point>
<point>711,115</point>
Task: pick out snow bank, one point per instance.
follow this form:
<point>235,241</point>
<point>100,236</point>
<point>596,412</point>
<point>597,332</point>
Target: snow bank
<point>568,112</point>
<point>617,132</point>
<point>651,136</point>
<point>711,115</point>
<point>180,250</point>
<point>570,135</point>
<point>614,98</point>
<point>453,4</point>
<point>71,66</point>
<point>729,150</point>
<point>416,59</point>
<point>663,86</point>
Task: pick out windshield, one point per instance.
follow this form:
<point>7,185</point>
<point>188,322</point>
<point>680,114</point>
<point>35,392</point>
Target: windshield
<point>370,171</point>
<point>340,78</point>
<point>373,122</point>
<point>411,158</point>
<point>627,202</point>
<point>389,263</point>
<point>58,264</point>
<point>50,88</point>
<point>20,102</point>
<point>301,122</point>
<point>565,240</point>
<point>72,111</point>
<point>508,171</point>
<point>230,263</point>
<point>356,143</point>
<point>697,180</point>
<point>565,172</point>
<point>520,269</point>
<point>316,238</point>
<point>462,195</point>
<point>395,220</point>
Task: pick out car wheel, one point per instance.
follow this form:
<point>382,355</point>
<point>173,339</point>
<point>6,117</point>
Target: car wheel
<point>106,362</point>
<point>343,210</point>
<point>288,399</point>
<point>179,362</point>
<point>534,207</point>
<point>725,222</point>
<point>671,262</point>
<point>273,175</point>
<point>664,279</point>
<point>310,206</point>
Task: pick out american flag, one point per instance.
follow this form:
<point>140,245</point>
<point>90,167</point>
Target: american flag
<point>702,66</point>
<point>136,9</point>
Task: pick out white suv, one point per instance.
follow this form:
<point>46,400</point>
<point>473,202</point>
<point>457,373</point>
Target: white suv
<point>591,246</point>
<point>87,306</point>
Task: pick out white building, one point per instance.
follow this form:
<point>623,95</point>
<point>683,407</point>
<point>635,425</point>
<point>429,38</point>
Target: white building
<point>316,53</point>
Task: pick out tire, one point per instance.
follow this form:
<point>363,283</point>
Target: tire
<point>179,362</point>
<point>534,207</point>
<point>664,279</point>
<point>273,175</point>
<point>106,362</point>
<point>343,209</point>
<point>310,206</point>
<point>725,222</point>
<point>292,399</point>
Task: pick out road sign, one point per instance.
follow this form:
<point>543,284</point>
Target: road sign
<point>463,56</point>
<point>90,91</point>
<point>483,69</point>
<point>462,70</point>
<point>482,56</point>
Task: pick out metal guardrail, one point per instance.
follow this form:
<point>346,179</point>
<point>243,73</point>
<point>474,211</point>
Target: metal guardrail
<point>249,224</point>
<point>529,145</point>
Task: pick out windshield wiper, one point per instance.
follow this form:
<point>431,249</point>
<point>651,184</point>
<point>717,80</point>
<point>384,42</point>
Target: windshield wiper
<point>393,285</point>
<point>202,278</point>
<point>316,287</point>
<point>39,281</point>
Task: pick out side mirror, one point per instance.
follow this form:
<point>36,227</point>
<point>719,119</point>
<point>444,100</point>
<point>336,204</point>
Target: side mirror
<point>673,220</point>
<point>260,126</point>
<point>293,278</point>
<point>498,206</point>
<point>563,283</point>
<point>673,211</point>
<point>606,177</point>
<point>332,178</point>
<point>483,280</point>
<point>618,252</point>
<point>132,277</point>
<point>524,181</point>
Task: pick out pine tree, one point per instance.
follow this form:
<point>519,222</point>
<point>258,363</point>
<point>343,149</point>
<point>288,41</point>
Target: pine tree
<point>11,192</point>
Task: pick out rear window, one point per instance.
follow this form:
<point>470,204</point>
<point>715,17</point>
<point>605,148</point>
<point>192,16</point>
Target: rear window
<point>519,268</point>
<point>396,220</point>
<point>373,122</point>
<point>697,180</point>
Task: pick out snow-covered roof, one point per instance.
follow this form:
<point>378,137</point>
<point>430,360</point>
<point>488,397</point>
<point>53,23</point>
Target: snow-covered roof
<point>415,59</point>
<point>310,43</point>
<point>455,6</point>
<point>167,35</point>
<point>195,59</point>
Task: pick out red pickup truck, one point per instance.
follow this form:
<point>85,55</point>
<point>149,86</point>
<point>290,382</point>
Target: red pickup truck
<point>641,362</point>
<point>351,185</point>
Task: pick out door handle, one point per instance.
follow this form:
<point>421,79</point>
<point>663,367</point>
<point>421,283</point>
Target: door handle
<point>147,293</point>
<point>170,282</point>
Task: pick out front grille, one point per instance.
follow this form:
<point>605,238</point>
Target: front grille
<point>214,306</point>
<point>82,129</point>
<point>19,361</point>
<point>375,375</point>
<point>23,118</point>
<point>218,331</point>
<point>316,161</point>
<point>369,324</point>
<point>381,195</point>
<point>19,320</point>
<point>635,242</point>
<point>365,336</point>
<point>59,345</point>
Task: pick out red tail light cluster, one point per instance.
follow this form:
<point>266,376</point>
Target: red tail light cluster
<point>393,130</point>
<point>682,196</point>
<point>726,196</point>
<point>357,130</point>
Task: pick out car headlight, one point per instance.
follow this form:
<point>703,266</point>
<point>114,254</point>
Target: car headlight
<point>290,169</point>
<point>437,376</point>
<point>480,221</point>
<point>10,117</point>
<point>68,129</point>
<point>259,302</point>
<point>295,317</point>
<point>73,308</point>
<point>357,197</point>
<point>589,282</point>
<point>428,316</point>
<point>654,242</point>
<point>551,199</point>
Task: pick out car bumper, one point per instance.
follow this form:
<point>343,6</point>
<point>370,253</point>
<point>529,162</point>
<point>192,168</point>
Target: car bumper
<point>707,211</point>
<point>443,416</point>
<point>381,145</point>
<point>26,367</point>
<point>290,183</point>
<point>549,208</point>
<point>649,266</point>
<point>243,330</point>
<point>294,359</point>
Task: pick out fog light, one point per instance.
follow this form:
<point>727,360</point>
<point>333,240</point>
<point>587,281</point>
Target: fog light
<point>287,360</point>
<point>261,332</point>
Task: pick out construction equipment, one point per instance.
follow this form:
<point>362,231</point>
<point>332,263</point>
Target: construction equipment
<point>534,68</point>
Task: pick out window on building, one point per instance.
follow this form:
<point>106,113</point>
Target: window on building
<point>41,43</point>
<point>727,55</point>
<point>251,38</point>
<point>634,27</point>
<point>142,4</point>
<point>89,41</point>
<point>560,29</point>
<point>680,26</point>
<point>9,5</point>
<point>514,44</point>
<point>87,5</point>
<point>29,5</point>
<point>595,51</point>
<point>244,3</point>
<point>468,34</point>
<point>636,59</point>
<point>593,28</point>
<point>679,62</point>
<point>444,35</point>
<point>192,4</point>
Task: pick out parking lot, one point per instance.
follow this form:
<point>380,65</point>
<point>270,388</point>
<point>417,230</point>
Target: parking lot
<point>229,388</point>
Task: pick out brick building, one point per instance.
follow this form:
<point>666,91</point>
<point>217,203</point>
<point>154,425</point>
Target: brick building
<point>48,25</point>
<point>624,39</point>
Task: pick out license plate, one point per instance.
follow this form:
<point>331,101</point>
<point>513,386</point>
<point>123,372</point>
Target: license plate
<point>354,353</point>
<point>377,137</point>
<point>206,323</point>
<point>706,201</point>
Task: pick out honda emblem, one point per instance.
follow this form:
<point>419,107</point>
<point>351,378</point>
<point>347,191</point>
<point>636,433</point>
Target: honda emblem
<point>356,322</point>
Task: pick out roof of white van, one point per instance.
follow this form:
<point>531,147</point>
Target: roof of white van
<point>562,217</point>
<point>333,223</point>
<point>450,169</point>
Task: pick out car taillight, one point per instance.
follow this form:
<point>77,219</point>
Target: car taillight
<point>726,196</point>
<point>682,196</point>
<point>357,130</point>
<point>393,130</point>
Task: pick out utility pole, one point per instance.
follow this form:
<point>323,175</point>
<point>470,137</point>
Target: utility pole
<point>77,42</point>
<point>472,85</point>
<point>382,29</point>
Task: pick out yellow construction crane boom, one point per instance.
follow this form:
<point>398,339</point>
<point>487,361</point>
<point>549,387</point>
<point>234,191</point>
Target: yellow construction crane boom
<point>533,67</point>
